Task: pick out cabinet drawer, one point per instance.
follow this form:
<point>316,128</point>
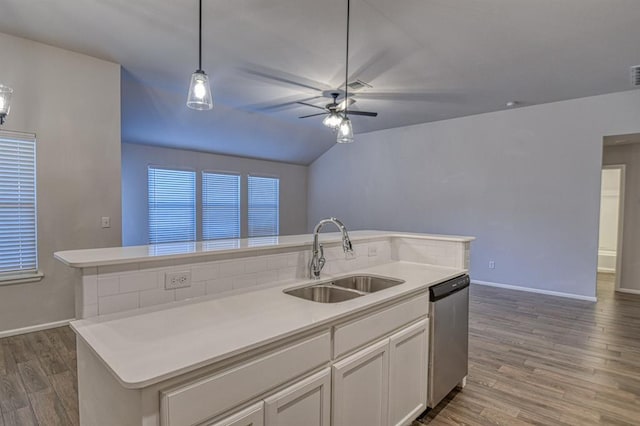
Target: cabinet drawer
<point>252,416</point>
<point>362,331</point>
<point>197,401</point>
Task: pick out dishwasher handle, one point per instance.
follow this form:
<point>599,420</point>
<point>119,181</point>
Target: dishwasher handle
<point>442,290</point>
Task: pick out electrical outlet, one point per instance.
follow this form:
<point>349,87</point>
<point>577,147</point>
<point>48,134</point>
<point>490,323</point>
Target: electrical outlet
<point>492,264</point>
<point>373,251</point>
<point>173,280</point>
<point>106,222</point>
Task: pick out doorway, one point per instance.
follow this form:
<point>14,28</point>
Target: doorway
<point>611,227</point>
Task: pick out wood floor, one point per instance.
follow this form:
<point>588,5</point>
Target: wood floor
<point>548,361</point>
<point>533,360</point>
<point>38,384</point>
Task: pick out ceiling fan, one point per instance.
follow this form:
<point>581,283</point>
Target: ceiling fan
<point>334,110</point>
<point>337,112</point>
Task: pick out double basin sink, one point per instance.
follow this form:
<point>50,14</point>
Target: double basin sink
<point>345,288</point>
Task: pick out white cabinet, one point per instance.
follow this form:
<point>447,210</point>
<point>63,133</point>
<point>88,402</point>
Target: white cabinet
<point>408,358</point>
<point>191,403</point>
<point>360,387</point>
<point>305,403</point>
<point>252,416</point>
<point>385,383</point>
<point>382,384</point>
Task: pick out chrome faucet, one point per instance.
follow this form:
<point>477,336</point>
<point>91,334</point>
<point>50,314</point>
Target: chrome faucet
<point>317,258</point>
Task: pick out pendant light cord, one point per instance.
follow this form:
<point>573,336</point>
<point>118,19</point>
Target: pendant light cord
<point>200,37</point>
<point>346,68</point>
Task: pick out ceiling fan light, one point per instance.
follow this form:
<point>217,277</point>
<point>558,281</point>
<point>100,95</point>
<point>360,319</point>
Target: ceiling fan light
<point>199,97</point>
<point>332,120</point>
<point>345,131</point>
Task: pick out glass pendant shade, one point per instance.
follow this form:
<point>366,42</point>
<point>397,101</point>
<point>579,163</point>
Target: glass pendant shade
<point>345,131</point>
<point>200,92</point>
<point>5,101</point>
<point>332,120</point>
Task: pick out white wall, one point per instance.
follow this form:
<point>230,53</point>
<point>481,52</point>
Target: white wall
<point>525,182</point>
<point>629,155</point>
<point>136,159</point>
<point>72,103</point>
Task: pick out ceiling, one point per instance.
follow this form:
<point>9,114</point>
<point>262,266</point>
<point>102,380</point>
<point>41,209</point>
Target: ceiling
<point>427,60</point>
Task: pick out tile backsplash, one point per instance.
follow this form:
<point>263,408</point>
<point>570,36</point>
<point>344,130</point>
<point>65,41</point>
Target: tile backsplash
<point>110,289</point>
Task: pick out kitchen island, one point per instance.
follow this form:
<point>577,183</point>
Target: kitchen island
<point>254,355</point>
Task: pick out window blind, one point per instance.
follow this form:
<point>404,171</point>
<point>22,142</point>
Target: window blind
<point>172,205</point>
<point>18,236</point>
<point>220,206</point>
<point>264,206</point>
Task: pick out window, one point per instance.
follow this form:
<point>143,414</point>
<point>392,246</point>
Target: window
<point>172,205</point>
<point>264,206</point>
<point>18,236</point>
<point>220,206</point>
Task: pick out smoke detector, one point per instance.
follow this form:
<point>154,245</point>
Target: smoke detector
<point>635,76</point>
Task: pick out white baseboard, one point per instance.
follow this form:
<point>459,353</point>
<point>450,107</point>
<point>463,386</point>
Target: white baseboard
<point>32,328</point>
<point>535,290</point>
<point>628,290</point>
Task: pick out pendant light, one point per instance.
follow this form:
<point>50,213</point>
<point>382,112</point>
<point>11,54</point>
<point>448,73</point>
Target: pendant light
<point>199,90</point>
<point>345,130</point>
<point>5,102</point>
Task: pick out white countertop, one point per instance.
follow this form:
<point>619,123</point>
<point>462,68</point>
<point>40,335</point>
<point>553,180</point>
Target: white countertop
<point>134,254</point>
<point>155,344</point>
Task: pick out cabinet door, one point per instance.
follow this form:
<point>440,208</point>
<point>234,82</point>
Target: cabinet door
<point>408,359</point>
<point>304,403</point>
<point>252,416</point>
<point>361,386</point>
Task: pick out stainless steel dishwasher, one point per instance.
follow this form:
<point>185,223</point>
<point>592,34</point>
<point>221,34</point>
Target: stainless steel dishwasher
<point>449,337</point>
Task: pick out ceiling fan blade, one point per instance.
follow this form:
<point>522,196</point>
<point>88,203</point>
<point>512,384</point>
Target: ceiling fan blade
<point>286,78</point>
<point>365,113</point>
<point>313,115</point>
<point>284,104</point>
<point>413,96</point>
<point>311,105</point>
<point>277,104</point>
<point>383,61</point>
<point>342,105</point>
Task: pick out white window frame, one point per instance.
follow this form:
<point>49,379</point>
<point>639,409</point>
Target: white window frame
<point>31,275</point>
<point>241,201</point>
<point>249,175</point>
<point>244,198</point>
<point>195,195</point>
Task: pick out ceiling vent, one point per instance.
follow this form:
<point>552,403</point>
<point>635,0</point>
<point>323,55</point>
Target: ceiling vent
<point>635,76</point>
<point>359,84</point>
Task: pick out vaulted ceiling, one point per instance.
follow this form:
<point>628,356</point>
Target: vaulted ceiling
<point>426,60</point>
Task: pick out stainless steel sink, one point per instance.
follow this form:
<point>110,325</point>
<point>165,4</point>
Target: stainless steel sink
<point>366,283</point>
<point>342,289</point>
<point>323,293</point>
